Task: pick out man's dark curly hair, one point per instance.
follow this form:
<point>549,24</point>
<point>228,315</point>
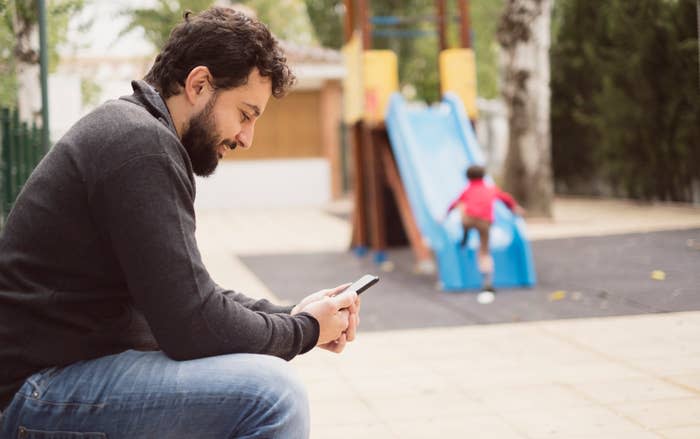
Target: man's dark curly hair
<point>229,43</point>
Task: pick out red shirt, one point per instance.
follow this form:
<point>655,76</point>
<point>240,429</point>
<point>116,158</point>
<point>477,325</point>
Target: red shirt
<point>477,200</point>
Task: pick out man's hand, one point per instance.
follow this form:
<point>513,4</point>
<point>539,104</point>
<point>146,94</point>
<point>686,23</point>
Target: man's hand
<point>346,305</point>
<point>318,295</point>
<point>338,345</point>
<point>518,210</point>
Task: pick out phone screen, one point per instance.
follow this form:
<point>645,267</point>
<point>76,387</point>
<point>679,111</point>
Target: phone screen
<point>363,283</point>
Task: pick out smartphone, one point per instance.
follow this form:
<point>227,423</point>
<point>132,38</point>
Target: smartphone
<point>363,283</point>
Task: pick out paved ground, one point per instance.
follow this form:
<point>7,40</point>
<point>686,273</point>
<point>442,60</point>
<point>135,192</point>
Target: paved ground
<point>632,376</point>
<point>577,277</point>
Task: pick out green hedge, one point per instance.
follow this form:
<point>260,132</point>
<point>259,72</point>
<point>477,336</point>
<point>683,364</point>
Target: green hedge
<point>626,97</point>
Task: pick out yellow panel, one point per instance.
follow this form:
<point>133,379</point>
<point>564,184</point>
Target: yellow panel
<point>352,82</point>
<point>381,79</point>
<point>458,75</point>
<point>289,128</point>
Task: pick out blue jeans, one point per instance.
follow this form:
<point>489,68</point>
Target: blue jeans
<point>146,395</point>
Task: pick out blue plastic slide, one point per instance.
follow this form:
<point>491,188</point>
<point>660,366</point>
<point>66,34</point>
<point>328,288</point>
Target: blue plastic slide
<point>433,147</point>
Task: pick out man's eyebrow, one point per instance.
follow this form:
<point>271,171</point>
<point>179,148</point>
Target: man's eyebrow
<point>255,108</point>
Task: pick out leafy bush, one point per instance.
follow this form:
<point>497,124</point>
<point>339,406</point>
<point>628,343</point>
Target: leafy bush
<point>626,97</point>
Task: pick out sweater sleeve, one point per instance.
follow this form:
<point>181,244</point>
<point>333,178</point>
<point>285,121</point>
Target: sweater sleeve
<point>506,198</point>
<point>146,205</point>
<point>257,304</point>
<point>456,201</point>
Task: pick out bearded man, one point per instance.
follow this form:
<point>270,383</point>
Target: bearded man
<point>110,325</point>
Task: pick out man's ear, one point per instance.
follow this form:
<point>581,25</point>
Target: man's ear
<point>198,84</point>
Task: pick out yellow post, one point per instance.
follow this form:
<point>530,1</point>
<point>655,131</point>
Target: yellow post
<point>381,79</point>
<point>353,109</point>
<point>458,75</point>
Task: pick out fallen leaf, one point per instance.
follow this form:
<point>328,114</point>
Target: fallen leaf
<point>658,275</point>
<point>557,295</point>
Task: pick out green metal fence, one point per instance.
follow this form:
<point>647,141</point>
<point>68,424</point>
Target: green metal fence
<point>21,147</point>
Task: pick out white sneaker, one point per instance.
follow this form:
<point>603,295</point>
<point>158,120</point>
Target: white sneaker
<point>485,297</point>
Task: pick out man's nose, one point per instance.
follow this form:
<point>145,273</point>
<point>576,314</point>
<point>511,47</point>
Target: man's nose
<point>245,137</point>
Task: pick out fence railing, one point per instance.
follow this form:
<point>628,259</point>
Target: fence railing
<point>21,147</point>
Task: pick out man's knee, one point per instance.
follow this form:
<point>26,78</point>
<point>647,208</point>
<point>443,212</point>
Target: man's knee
<point>281,407</point>
<point>279,379</point>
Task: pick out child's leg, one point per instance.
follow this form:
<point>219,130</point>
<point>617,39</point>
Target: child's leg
<point>467,224</point>
<point>465,236</point>
<point>485,259</point>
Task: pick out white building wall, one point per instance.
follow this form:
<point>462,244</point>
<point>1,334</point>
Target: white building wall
<point>266,183</point>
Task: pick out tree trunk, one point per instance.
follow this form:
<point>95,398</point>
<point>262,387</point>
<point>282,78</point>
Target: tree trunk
<point>27,56</point>
<point>524,36</point>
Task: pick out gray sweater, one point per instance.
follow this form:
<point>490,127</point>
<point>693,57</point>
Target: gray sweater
<point>99,256</point>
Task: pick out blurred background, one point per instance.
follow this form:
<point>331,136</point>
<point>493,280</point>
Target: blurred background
<point>624,87</point>
<point>587,111</point>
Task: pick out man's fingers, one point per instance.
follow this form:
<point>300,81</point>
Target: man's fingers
<point>340,343</point>
<point>355,307</point>
<point>337,290</point>
<point>344,299</point>
<point>352,327</point>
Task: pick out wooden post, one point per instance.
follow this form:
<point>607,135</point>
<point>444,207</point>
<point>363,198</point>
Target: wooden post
<point>349,19</point>
<point>359,214</point>
<point>376,205</point>
<point>420,250</point>
<point>465,37</point>
<point>365,26</point>
<point>442,24</point>
<point>359,240</point>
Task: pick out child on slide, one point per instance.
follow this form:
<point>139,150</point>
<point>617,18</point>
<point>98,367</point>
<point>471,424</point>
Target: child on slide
<point>476,204</point>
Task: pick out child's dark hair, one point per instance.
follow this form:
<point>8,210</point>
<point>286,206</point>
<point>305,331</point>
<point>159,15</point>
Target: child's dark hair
<point>475,172</point>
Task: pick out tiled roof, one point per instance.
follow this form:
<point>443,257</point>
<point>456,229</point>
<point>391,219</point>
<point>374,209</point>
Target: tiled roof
<point>301,54</point>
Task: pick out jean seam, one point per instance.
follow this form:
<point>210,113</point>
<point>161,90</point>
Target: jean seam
<point>64,404</point>
<point>82,433</point>
<point>41,381</point>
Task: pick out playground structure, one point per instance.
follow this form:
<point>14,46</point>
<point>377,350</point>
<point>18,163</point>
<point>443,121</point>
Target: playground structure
<point>409,160</point>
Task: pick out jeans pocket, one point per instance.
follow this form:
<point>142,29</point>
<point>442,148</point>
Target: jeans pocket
<point>26,433</point>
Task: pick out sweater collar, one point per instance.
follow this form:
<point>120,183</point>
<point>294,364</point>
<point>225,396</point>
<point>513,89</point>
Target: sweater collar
<point>148,97</point>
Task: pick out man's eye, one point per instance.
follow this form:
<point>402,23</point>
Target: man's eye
<point>244,116</point>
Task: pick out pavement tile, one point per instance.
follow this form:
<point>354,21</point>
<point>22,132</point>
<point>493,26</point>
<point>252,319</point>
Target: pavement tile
<point>631,377</point>
<point>346,412</point>
<point>690,381</point>
<point>512,399</point>
<point>462,426</point>
<point>664,413</point>
<point>663,366</point>
<point>572,421</point>
<point>400,386</point>
<point>329,391</point>
<point>634,434</point>
<point>622,391</point>
<point>429,406</point>
<point>371,430</point>
<point>689,432</point>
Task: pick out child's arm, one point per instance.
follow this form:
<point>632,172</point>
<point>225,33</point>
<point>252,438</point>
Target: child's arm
<point>510,202</point>
<point>452,205</point>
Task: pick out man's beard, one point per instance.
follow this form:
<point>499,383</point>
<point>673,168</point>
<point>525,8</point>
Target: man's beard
<point>201,141</point>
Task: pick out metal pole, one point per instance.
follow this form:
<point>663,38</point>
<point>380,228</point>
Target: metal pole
<point>348,20</point>
<point>16,155</point>
<point>5,127</point>
<point>465,29</point>
<point>442,31</point>
<point>25,166</point>
<point>44,65</point>
<point>365,25</point>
